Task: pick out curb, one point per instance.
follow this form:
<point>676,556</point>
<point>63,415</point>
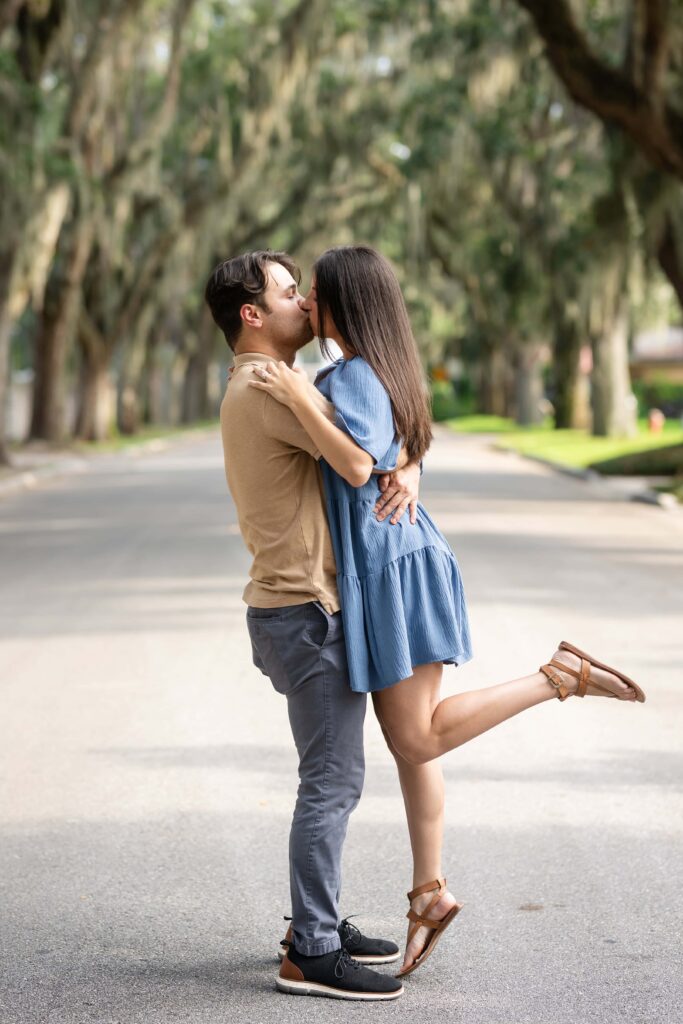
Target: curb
<point>646,496</point>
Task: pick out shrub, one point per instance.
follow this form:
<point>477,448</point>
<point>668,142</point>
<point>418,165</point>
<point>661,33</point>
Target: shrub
<point>446,404</point>
<point>659,393</point>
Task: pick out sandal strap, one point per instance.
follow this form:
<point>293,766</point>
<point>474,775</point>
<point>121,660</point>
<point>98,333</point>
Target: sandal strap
<point>423,920</point>
<point>566,668</point>
<point>438,883</point>
<point>584,678</point>
<point>556,680</point>
<point>438,887</point>
<point>428,922</point>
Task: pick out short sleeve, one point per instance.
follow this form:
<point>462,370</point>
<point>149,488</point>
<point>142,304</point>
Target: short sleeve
<point>281,423</point>
<point>363,410</point>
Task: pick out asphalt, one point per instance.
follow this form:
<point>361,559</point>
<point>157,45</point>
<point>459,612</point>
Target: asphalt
<point>147,773</point>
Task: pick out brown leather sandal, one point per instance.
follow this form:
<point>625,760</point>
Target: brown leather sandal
<point>439,887</point>
<point>554,678</point>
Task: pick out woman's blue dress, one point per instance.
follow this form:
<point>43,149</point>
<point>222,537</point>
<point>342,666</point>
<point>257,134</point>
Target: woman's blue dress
<point>401,593</point>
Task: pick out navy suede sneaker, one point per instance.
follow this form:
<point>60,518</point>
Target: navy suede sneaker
<point>334,975</point>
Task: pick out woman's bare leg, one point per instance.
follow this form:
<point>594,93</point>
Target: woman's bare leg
<point>423,797</point>
<point>421,729</point>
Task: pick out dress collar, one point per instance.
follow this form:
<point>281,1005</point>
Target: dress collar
<point>321,374</point>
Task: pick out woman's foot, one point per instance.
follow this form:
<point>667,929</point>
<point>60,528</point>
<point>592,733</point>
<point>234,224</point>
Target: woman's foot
<point>417,942</point>
<point>586,677</point>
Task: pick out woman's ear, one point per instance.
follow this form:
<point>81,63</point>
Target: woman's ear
<point>251,315</point>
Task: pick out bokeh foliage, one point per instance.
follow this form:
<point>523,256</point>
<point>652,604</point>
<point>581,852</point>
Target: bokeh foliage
<point>141,141</point>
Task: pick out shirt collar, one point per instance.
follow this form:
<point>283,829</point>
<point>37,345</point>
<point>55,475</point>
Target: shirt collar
<point>253,357</point>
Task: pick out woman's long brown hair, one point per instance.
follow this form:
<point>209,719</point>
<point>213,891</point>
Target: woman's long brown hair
<point>357,289</point>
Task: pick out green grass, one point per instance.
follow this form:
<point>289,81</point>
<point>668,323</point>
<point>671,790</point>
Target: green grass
<point>486,425</point>
<point>575,448</point>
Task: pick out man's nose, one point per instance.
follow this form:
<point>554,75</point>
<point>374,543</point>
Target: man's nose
<point>302,304</point>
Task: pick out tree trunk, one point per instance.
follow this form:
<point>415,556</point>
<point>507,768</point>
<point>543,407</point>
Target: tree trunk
<point>582,416</point>
<point>195,389</point>
<point>566,351</point>
<point>94,417</point>
<point>55,333</point>
<point>196,401</point>
<point>528,385</point>
<point>131,399</point>
<point>613,403</point>
<point>493,399</point>
<point>152,379</point>
<point>6,265</point>
<point>670,257</point>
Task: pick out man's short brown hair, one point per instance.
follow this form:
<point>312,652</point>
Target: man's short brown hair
<point>242,279</point>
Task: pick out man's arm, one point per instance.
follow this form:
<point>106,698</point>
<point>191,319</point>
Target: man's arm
<point>401,463</point>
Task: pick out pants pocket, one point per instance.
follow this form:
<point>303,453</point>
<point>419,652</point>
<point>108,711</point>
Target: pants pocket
<point>284,651</point>
<point>318,624</point>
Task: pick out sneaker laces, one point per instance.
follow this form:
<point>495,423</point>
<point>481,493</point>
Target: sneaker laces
<point>349,931</point>
<point>343,962</point>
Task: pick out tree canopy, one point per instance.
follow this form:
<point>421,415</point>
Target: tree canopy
<point>519,162</point>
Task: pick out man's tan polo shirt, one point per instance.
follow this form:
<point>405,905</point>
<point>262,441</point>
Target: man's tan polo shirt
<point>274,478</point>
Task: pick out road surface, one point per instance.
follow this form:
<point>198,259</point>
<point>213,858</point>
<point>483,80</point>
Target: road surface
<point>147,773</point>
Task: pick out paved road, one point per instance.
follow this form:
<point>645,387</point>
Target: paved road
<point>147,774</point>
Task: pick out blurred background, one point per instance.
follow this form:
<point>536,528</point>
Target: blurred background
<point>519,162</point>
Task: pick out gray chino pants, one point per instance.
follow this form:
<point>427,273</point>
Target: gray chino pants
<point>301,648</point>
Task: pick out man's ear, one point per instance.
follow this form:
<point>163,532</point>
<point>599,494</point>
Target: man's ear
<point>251,315</point>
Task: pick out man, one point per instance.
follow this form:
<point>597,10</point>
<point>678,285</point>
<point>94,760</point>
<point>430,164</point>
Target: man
<point>294,620</point>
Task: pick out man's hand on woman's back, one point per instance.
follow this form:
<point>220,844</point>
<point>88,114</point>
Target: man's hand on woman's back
<point>398,491</point>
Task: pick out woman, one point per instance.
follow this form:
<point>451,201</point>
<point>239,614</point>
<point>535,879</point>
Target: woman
<point>403,605</point>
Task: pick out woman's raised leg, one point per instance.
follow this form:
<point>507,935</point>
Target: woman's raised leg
<point>421,731</point>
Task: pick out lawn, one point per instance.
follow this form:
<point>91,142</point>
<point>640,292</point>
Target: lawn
<point>574,448</point>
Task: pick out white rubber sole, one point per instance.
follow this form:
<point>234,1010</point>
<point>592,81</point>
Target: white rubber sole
<point>312,988</point>
<point>390,959</point>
